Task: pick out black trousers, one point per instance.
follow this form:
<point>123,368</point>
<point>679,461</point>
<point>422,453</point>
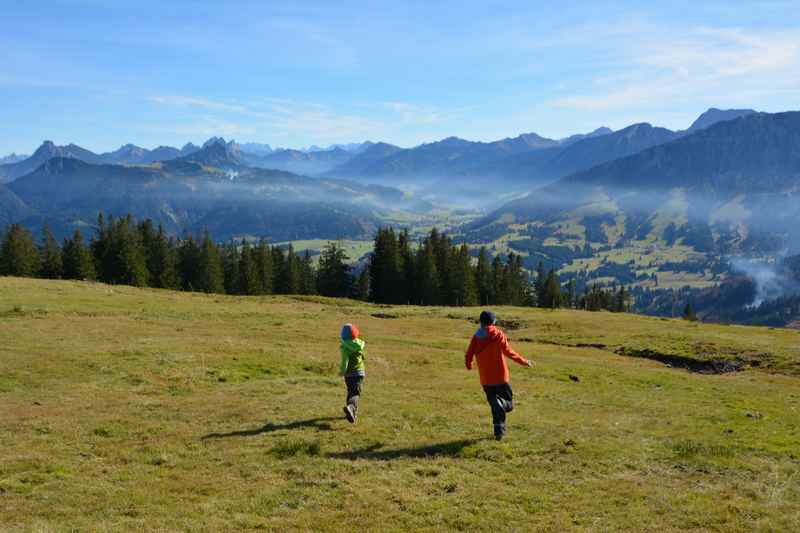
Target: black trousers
<point>493,392</point>
<point>353,390</point>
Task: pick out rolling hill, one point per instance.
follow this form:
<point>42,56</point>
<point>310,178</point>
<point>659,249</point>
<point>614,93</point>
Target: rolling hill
<point>151,409</point>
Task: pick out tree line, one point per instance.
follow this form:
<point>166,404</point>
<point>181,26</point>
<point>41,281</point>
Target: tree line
<point>434,271</point>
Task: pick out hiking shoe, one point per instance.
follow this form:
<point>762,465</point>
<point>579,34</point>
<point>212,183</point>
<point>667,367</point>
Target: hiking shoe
<point>350,413</point>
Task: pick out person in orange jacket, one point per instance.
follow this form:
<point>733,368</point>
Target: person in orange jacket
<point>489,346</point>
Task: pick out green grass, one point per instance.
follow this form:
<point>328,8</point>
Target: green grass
<point>153,410</point>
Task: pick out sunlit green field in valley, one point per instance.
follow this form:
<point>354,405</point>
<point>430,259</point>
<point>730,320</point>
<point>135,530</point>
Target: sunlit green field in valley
<point>129,409</point>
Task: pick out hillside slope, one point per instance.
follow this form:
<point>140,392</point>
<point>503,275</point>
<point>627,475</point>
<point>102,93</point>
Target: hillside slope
<point>158,410</point>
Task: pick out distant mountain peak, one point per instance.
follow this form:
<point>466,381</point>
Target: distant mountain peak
<point>214,140</point>
<point>216,152</point>
<point>714,115</point>
<point>581,136</point>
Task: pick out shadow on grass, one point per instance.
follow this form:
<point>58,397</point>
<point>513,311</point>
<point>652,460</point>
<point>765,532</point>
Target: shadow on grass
<point>321,424</point>
<point>376,453</point>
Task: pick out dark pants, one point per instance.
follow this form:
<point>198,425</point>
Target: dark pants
<point>493,392</point>
<point>353,390</point>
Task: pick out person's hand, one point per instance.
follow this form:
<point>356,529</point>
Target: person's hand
<point>529,364</point>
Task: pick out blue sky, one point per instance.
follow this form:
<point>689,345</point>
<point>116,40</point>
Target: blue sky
<point>102,73</point>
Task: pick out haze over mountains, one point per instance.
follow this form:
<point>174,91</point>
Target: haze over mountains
<point>51,184</point>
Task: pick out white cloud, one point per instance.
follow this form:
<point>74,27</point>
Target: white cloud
<point>310,121</point>
<point>709,64</point>
<point>192,101</point>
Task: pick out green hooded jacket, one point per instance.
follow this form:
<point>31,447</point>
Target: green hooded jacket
<point>353,353</point>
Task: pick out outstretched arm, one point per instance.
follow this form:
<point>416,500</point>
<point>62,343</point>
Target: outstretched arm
<point>470,354</point>
<point>514,356</point>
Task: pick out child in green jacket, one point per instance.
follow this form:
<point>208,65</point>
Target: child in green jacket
<point>352,368</point>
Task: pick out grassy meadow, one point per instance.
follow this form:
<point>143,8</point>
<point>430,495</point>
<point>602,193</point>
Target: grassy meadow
<point>126,409</point>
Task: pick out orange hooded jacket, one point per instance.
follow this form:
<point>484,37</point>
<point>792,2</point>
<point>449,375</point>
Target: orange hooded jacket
<point>489,346</point>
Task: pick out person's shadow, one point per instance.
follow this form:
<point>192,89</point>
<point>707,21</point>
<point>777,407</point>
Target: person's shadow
<point>376,453</point>
<point>320,424</point>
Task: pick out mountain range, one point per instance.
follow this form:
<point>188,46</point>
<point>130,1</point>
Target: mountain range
<point>189,196</point>
<point>728,189</point>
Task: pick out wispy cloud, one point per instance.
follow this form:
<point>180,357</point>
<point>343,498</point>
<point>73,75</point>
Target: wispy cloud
<point>703,63</point>
<point>193,101</point>
<point>312,121</point>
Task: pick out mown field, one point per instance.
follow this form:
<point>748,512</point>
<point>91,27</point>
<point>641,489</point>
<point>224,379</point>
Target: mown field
<point>126,409</point>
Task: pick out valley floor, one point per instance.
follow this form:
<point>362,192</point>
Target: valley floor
<point>142,409</point>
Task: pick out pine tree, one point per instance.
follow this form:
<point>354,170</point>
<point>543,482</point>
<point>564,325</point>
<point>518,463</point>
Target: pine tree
<point>210,271</point>
<point>308,275</point>
<point>333,275</point>
<point>571,293</point>
<point>498,274</point>
<point>263,259</point>
<point>78,262</point>
<point>463,277</point>
<point>552,291</point>
<point>278,267</point>
<point>289,275</point>
<point>18,254</point>
<point>231,261</point>
<point>189,264</point>
<point>130,260</point>
<point>162,260</point>
<point>483,278</point>
<point>407,265</point>
<point>541,284</point>
<point>248,271</point>
<point>360,289</point>
<point>427,278</point>
<point>688,312</point>
<point>52,258</point>
<point>621,300</point>
<point>385,269</point>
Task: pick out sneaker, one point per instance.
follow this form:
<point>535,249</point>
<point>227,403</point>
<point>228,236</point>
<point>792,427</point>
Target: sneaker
<point>499,432</point>
<point>504,404</point>
<point>350,413</point>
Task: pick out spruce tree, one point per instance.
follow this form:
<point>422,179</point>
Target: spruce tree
<point>162,257</point>
<point>18,254</point>
<point>427,278</point>
<point>333,274</point>
<point>688,312</point>
<point>130,261</point>
<point>231,261</point>
<point>248,271</point>
<point>498,272</point>
<point>407,264</point>
<point>289,276</point>
<point>541,284</point>
<point>278,269</point>
<point>621,300</point>
<point>308,275</point>
<point>552,291</point>
<point>52,258</point>
<point>189,264</point>
<point>385,269</point>
<point>463,278</point>
<point>483,278</point>
<point>211,275</point>
<point>78,262</point>
<point>264,267</point>
<point>360,289</point>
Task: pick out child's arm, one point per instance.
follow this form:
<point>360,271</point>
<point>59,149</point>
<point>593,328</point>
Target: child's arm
<point>345,360</point>
<point>514,356</point>
<point>470,354</point>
